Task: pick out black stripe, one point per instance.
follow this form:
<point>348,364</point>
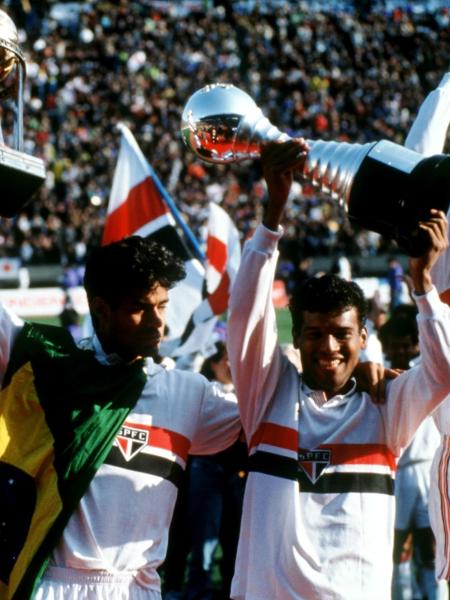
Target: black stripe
<point>187,331</point>
<point>273,464</point>
<point>343,483</point>
<point>148,463</point>
<point>333,483</point>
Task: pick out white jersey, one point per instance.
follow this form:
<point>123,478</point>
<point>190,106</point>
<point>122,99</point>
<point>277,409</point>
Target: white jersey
<point>422,446</point>
<point>121,525</point>
<point>412,482</point>
<point>439,502</point>
<point>318,513</point>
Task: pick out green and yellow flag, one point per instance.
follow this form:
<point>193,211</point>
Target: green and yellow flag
<point>60,410</point>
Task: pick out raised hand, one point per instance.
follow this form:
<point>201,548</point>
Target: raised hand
<point>420,268</point>
<point>279,161</point>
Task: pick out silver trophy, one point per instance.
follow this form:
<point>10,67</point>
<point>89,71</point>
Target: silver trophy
<point>384,187</point>
<point>20,174</point>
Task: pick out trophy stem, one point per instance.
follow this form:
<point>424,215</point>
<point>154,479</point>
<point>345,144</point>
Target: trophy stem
<point>331,167</point>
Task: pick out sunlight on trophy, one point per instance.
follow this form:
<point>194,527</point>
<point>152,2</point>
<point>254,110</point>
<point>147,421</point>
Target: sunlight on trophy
<point>383,186</point>
<point>20,174</point>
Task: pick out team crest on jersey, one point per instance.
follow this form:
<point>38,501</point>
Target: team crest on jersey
<point>314,462</point>
<point>131,440</point>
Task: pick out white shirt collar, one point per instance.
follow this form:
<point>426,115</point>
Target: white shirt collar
<point>93,343</point>
<point>320,399</point>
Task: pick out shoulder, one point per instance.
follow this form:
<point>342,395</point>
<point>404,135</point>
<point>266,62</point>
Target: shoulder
<point>185,378</point>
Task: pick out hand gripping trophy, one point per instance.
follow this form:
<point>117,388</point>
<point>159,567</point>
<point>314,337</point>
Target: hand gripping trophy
<point>384,187</point>
<point>20,174</point>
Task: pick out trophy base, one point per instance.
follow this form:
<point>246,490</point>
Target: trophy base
<point>392,202</point>
<point>21,175</point>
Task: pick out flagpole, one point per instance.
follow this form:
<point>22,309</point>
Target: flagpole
<point>177,216</point>
<point>126,133</point>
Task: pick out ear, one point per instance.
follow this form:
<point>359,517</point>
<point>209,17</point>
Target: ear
<point>364,334</point>
<point>295,340</point>
<point>100,313</point>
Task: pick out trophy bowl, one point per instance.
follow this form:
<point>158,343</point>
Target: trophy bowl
<point>222,124</point>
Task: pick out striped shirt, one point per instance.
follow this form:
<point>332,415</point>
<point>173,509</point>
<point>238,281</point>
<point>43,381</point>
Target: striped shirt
<point>319,505</point>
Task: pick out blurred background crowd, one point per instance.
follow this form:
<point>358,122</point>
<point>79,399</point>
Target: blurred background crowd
<point>331,70</point>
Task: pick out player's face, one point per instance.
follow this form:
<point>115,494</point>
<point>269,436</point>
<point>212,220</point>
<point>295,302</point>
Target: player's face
<point>136,326</point>
<point>330,344</point>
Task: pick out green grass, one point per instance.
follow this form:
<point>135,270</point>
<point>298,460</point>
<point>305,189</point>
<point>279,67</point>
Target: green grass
<point>284,325</point>
<point>45,320</point>
<point>283,322</point>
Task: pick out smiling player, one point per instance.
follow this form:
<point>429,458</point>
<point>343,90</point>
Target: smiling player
<point>319,503</point>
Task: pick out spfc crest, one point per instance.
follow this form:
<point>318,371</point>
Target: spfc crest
<point>131,440</point>
<point>314,462</point>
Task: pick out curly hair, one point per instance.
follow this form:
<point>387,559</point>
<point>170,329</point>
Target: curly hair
<point>325,294</point>
<point>133,264</point>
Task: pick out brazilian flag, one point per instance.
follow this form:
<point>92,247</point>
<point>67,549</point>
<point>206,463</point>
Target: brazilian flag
<point>60,410</point>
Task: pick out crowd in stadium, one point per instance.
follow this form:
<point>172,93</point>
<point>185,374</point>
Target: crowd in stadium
<point>357,76</point>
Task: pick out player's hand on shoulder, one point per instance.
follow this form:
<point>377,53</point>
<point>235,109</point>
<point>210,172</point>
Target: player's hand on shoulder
<point>372,378</point>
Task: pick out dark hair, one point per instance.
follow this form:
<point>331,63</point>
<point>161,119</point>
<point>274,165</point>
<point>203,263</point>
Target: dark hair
<point>133,264</point>
<point>325,294</point>
<point>399,327</point>
<point>206,369</point>
<point>408,311</point>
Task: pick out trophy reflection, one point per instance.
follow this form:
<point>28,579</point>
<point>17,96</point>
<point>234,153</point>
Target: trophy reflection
<point>384,187</point>
<point>20,174</point>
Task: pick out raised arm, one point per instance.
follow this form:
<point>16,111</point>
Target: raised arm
<point>255,358</point>
<point>279,162</point>
<point>429,130</point>
<point>418,391</point>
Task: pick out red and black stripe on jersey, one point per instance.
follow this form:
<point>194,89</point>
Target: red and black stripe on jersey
<point>327,469</point>
<point>152,450</point>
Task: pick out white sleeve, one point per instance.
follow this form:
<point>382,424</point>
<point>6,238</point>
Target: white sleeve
<point>255,357</point>
<point>414,395</point>
<point>219,424</point>
<point>429,131</point>
<point>441,417</point>
<point>427,136</point>
<point>10,325</point>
